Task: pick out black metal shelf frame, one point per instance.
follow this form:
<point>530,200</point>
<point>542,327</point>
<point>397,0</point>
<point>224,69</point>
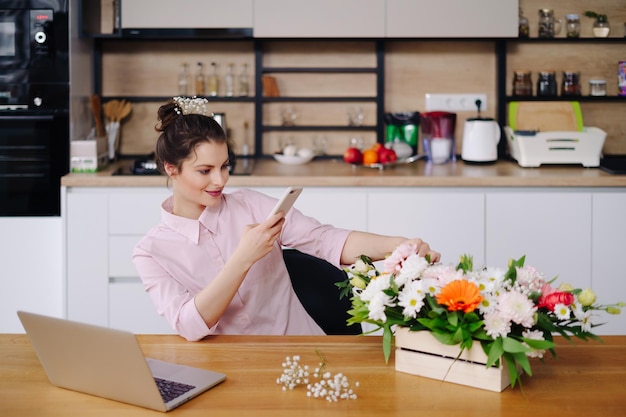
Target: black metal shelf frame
<point>258,100</point>
<point>501,72</point>
<point>379,99</point>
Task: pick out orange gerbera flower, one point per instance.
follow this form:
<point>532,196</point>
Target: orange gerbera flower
<point>460,295</point>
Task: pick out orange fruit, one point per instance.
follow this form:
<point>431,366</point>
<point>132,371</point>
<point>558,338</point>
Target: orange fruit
<point>370,156</point>
<point>377,146</point>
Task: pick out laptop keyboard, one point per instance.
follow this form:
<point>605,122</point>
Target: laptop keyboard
<point>170,389</point>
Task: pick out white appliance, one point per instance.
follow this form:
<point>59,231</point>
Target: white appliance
<point>480,140</point>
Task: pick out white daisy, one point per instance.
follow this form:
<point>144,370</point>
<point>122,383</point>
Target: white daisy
<point>411,298</point>
<point>561,311</point>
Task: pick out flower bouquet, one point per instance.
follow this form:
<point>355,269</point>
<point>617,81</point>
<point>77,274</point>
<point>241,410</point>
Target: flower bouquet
<point>513,313</point>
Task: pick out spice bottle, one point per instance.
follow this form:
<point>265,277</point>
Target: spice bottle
<point>183,80</point>
<point>597,87</point>
<point>522,83</point>
<point>572,25</point>
<point>213,80</point>
<point>244,86</point>
<point>229,83</point>
<point>524,28</point>
<point>571,83</point>
<point>200,89</point>
<point>546,83</point>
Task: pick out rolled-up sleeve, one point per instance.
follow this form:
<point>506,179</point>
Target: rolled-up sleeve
<point>171,299</point>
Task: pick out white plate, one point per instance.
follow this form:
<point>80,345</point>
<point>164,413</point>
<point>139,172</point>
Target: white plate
<point>293,160</point>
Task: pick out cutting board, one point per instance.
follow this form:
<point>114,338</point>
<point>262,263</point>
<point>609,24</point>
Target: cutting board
<point>546,116</point>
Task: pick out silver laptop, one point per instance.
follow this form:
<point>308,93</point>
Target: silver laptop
<point>109,363</point>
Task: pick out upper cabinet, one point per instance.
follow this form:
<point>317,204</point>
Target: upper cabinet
<point>319,19</point>
<point>186,14</point>
<point>452,19</point>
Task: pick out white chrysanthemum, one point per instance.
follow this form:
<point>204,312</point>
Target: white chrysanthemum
<point>412,268</point>
<point>377,306</point>
<point>534,335</point>
<point>496,325</point>
<point>561,311</point>
<point>411,298</point>
<point>375,286</point>
<point>450,274</point>
<point>516,307</point>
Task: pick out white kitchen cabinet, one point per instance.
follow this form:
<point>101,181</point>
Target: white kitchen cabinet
<point>86,240</point>
<point>319,19</point>
<point>452,19</point>
<point>553,230</point>
<point>450,220</point>
<point>607,250</point>
<point>31,278</point>
<point>186,14</point>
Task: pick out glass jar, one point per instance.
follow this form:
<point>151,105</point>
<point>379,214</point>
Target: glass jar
<point>548,25</point>
<point>597,87</point>
<point>601,29</point>
<point>546,83</point>
<point>524,28</point>
<point>572,25</point>
<point>522,83</point>
<point>571,83</point>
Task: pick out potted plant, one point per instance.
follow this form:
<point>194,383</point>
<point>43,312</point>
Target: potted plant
<point>601,27</point>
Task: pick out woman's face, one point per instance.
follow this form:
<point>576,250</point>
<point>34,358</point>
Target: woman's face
<point>200,181</point>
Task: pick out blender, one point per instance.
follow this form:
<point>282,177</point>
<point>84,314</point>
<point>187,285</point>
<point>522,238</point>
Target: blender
<point>438,129</point>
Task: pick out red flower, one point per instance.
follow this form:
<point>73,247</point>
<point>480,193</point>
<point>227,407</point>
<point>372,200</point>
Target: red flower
<point>551,297</point>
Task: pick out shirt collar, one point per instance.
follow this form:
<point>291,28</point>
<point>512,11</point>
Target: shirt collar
<point>190,228</point>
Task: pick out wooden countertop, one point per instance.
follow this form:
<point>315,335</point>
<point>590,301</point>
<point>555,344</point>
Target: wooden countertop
<point>587,379</point>
<point>336,173</point>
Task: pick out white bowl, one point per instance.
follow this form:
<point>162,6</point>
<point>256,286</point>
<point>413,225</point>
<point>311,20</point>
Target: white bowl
<point>293,160</point>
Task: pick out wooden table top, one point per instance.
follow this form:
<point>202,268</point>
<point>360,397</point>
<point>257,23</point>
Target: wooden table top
<point>587,379</point>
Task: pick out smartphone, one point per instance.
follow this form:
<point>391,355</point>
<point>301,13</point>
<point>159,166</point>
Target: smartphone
<point>286,201</point>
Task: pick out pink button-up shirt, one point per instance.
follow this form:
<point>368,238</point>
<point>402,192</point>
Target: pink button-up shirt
<point>180,256</point>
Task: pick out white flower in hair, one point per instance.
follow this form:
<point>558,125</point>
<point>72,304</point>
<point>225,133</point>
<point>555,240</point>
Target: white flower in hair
<point>192,105</point>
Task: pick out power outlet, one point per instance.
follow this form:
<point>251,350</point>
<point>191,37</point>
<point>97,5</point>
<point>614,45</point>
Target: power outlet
<point>455,102</point>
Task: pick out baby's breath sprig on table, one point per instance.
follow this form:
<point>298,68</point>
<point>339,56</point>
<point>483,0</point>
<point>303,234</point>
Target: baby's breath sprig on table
<point>329,387</point>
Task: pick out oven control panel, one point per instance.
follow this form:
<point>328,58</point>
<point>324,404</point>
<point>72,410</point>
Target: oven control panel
<point>40,32</point>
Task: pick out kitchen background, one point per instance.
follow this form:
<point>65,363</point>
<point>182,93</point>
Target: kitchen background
<point>33,276</point>
<point>412,68</point>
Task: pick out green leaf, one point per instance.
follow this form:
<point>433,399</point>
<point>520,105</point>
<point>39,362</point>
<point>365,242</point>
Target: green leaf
<point>495,352</point>
<point>387,339</point>
<point>539,344</point>
<point>513,346</point>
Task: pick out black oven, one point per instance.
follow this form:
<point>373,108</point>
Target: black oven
<point>34,106</point>
<point>33,158</point>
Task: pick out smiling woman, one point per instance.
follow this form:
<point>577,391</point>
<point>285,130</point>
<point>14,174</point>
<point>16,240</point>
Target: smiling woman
<point>214,265</point>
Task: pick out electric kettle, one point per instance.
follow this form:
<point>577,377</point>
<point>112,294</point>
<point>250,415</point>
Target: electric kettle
<point>480,139</point>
